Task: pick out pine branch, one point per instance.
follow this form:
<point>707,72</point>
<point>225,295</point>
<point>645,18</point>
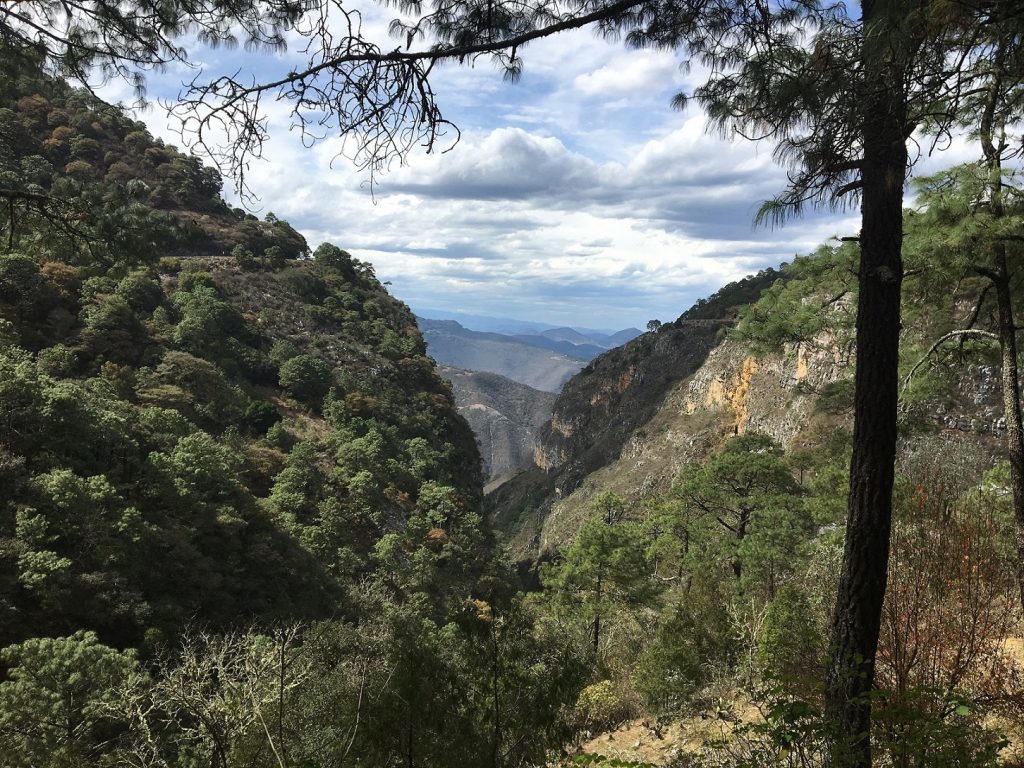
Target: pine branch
<point>972,332</point>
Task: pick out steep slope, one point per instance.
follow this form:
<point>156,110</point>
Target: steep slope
<point>607,402</point>
<point>730,393</point>
<point>100,182</point>
<point>210,439</point>
<point>785,372</point>
<point>505,416</point>
<point>451,344</point>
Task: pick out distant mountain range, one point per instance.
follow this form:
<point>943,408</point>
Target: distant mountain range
<point>544,359</point>
<point>536,366</point>
<point>584,337</point>
<point>602,337</point>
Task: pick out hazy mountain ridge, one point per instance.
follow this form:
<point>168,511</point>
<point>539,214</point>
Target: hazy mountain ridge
<point>585,351</point>
<point>504,383</point>
<point>450,343</point>
<point>514,327</point>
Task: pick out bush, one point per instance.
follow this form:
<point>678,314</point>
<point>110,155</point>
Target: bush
<point>306,378</point>
<point>244,258</point>
<point>275,257</point>
<point>282,352</point>
<point>791,645</point>
<point>191,279</point>
<point>679,660</point>
<point>601,705</point>
<point>278,436</point>
<point>141,291</point>
<point>310,287</point>
<point>169,265</point>
<point>260,416</point>
<point>59,361</point>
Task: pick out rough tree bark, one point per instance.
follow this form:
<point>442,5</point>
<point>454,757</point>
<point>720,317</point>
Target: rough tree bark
<point>1010,384</point>
<point>857,617</point>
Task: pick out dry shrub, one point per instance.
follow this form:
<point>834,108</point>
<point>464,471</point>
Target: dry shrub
<point>950,608</point>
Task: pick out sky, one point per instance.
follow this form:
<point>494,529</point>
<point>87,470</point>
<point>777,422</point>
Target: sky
<point>576,196</point>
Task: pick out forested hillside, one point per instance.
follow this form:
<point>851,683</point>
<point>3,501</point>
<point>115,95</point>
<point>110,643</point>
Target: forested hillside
<point>242,522</point>
<point>233,488</point>
<point>701,559</point>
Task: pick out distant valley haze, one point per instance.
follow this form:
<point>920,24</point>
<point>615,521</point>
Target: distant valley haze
<point>542,357</point>
<point>505,374</point>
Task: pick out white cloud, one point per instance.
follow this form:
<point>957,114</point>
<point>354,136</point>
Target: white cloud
<point>628,73</point>
<point>576,196</point>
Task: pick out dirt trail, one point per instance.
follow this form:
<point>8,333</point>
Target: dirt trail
<point>645,741</point>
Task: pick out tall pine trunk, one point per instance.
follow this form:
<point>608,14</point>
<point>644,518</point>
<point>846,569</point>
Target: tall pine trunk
<point>1010,375</point>
<point>992,136</point>
<point>857,618</point>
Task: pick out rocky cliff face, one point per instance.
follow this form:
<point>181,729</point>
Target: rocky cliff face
<point>771,394</point>
<point>600,407</point>
<point>602,416</point>
<point>789,395</point>
<point>728,392</point>
<point>608,410</point>
<point>505,416</point>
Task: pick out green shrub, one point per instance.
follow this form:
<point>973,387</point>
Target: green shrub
<point>141,291</point>
<point>280,437</point>
<point>191,279</point>
<point>306,378</point>
<point>308,286</point>
<point>601,705</point>
<point>678,661</point>
<point>282,352</point>
<point>245,258</point>
<point>59,361</point>
<point>791,645</point>
<point>169,265</point>
<point>275,257</point>
<point>260,416</point>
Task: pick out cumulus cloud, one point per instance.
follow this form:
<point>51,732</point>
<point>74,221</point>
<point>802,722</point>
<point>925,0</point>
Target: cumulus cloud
<point>576,197</point>
<point>627,74</point>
